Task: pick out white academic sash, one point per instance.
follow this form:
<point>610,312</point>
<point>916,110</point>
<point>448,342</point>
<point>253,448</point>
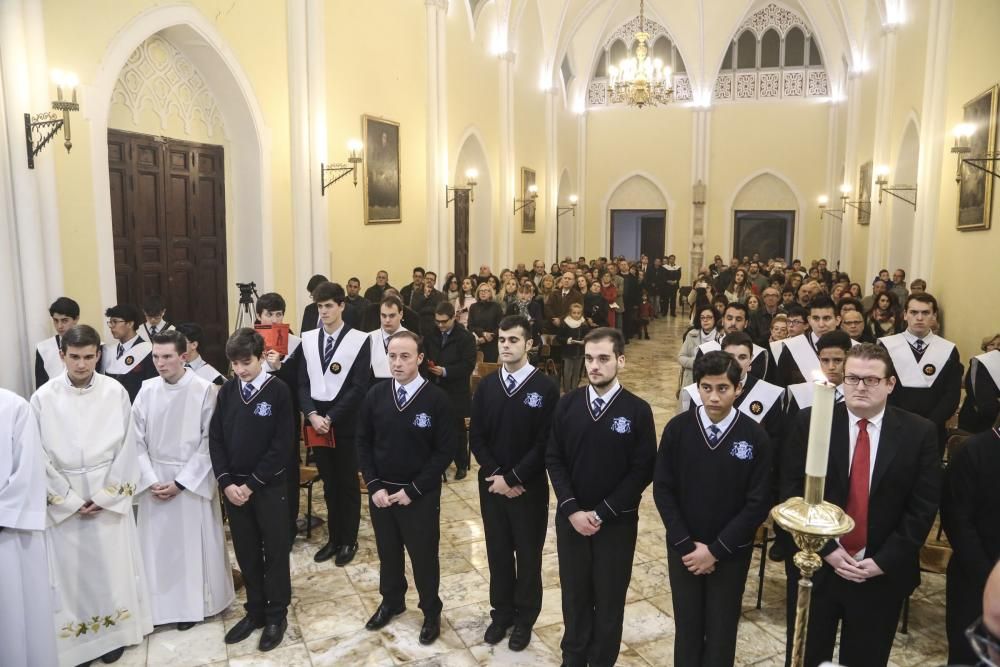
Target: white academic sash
<point>803,393</point>
<point>131,358</point>
<point>144,331</point>
<point>293,344</point>
<point>380,357</point>
<point>325,381</point>
<point>990,361</point>
<point>776,346</point>
<point>205,370</point>
<point>804,355</point>
<point>760,399</point>
<point>710,346</point>
<point>49,352</point>
<point>918,374</point>
<point>690,395</point>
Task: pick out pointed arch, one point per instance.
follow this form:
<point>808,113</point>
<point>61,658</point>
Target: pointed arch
<point>798,242</point>
<point>644,179</point>
<point>472,153</point>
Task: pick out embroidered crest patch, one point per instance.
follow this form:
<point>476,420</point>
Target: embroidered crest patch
<point>129,360</point>
<point>422,420</point>
<point>756,407</point>
<point>621,425</point>
<point>742,450</point>
<point>929,370</point>
<point>262,409</point>
<point>533,400</point>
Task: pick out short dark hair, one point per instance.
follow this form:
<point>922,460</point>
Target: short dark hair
<point>607,333</point>
<point>353,279</point>
<point>65,306</point>
<point>406,333</point>
<point>271,301</point>
<point>822,302</point>
<point>329,292</point>
<point>717,362</point>
<point>797,311</point>
<point>153,305</point>
<point>515,321</point>
<point>873,351</point>
<point>315,281</point>
<point>836,338</point>
<point>126,312</point>
<point>391,300</point>
<point>445,308</point>
<point>244,344</point>
<point>191,330</point>
<point>738,305</point>
<point>919,281</point>
<point>923,297</point>
<point>738,338</point>
<point>82,335</point>
<point>171,337</point>
<point>418,268</point>
<point>852,302</point>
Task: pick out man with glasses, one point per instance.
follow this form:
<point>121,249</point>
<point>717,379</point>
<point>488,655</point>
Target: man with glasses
<point>449,361</point>
<point>129,359</point>
<point>884,470</point>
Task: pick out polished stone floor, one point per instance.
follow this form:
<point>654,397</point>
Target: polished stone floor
<point>330,605</point>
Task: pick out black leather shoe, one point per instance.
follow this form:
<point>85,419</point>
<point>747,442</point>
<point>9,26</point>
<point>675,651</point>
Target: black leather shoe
<point>461,472</point>
<point>430,630</point>
<point>112,656</point>
<point>382,616</point>
<point>496,632</point>
<point>520,636</point>
<point>325,553</point>
<point>185,626</point>
<point>272,635</point>
<point>242,630</point>
<point>776,552</point>
<point>345,555</point>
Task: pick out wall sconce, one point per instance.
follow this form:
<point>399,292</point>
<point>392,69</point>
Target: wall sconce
<point>860,205</point>
<point>573,199</point>
<point>470,186</point>
<point>46,124</point>
<point>529,201</point>
<point>338,171</point>
<point>963,146</point>
<point>824,202</point>
<point>882,181</point>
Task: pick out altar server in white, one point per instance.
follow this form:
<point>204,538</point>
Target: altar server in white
<point>65,313</point>
<point>85,422</point>
<point>180,520</point>
<point>26,635</point>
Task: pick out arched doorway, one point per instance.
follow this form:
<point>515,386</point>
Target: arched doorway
<point>764,215</point>
<point>903,215</point>
<point>478,226</point>
<point>633,199</point>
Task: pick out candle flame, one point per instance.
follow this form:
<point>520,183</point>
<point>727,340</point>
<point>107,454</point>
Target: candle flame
<point>819,378</point>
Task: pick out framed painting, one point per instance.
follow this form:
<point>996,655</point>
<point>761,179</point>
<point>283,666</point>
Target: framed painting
<point>865,194</point>
<point>528,212</point>
<point>382,179</point>
<point>975,188</point>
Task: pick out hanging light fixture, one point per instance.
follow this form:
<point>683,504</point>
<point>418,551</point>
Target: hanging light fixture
<point>639,79</point>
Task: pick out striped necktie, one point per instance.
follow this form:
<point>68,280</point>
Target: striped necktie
<point>598,406</point>
<point>328,351</point>
<point>401,395</point>
<point>511,383</point>
<point>247,392</point>
<point>713,434</point>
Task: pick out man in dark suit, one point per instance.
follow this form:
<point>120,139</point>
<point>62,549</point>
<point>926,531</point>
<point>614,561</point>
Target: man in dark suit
<point>355,305</point>
<point>449,361</point>
<point>371,321</point>
<point>375,293</point>
<point>409,292</point>
<point>884,470</point>
<point>557,305</point>
<point>310,314</point>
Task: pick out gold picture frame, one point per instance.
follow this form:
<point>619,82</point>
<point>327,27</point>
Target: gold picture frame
<point>528,212</point>
<point>975,186</point>
<point>383,183</point>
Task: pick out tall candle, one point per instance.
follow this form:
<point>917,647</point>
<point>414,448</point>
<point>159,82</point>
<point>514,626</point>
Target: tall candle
<point>819,429</point>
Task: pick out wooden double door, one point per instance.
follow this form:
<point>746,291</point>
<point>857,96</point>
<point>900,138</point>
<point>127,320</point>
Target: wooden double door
<point>169,224</point>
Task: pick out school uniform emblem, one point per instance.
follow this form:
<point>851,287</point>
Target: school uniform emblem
<point>756,407</point>
<point>262,409</point>
<point>621,425</point>
<point>742,450</point>
<point>335,367</point>
<point>422,420</point>
<point>533,400</point>
<point>930,369</point>
<point>129,360</point>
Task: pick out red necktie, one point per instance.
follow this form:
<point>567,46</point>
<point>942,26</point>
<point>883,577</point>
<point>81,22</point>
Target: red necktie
<point>857,499</point>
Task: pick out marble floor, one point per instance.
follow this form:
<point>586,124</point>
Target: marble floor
<point>330,605</point>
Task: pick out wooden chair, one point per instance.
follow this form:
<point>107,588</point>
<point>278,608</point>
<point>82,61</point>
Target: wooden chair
<point>307,478</point>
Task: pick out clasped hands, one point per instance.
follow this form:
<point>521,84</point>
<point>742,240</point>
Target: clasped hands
<point>165,491</point>
<point>238,495</point>
<point>848,568</point>
<point>383,498</point>
<point>585,523</point>
<point>319,423</point>
<point>700,561</point>
<point>89,508</point>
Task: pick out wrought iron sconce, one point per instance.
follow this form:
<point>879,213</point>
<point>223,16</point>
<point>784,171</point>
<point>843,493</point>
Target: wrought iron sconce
<point>470,186</point>
<point>529,201</point>
<point>824,209</point>
<point>573,199</point>
<point>45,125</point>
<point>882,181</point>
<point>862,206</point>
<point>962,147</point>
<point>338,171</point>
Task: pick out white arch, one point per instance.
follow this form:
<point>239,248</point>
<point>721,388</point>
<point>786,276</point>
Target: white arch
<point>727,237</point>
<point>606,207</point>
<point>248,161</point>
<point>472,153</point>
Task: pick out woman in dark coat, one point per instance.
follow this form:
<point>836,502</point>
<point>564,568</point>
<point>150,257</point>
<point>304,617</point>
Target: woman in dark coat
<point>484,322</point>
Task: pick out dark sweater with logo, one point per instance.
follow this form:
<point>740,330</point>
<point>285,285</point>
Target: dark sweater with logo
<point>405,447</point>
<point>508,434</point>
<point>717,496</point>
<point>601,464</point>
<point>249,441</point>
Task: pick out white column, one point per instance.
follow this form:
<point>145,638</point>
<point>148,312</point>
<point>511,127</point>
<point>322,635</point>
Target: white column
<point>699,183</point>
<point>552,194</point>
<point>932,141</point>
<point>299,148</point>
<point>830,227</point>
<point>850,167</point>
<point>437,137</point>
<point>318,139</point>
<point>883,117</point>
<point>446,240</point>
<point>508,188</point>
<point>580,220</point>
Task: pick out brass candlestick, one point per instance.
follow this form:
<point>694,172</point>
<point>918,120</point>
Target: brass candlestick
<point>811,521</point>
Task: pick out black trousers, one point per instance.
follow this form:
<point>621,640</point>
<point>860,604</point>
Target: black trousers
<point>338,468</point>
<point>417,529</point>
<point>964,604</point>
<point>260,539</point>
<point>515,534</point>
<point>868,614</point>
<point>595,573</point>
<point>668,300</point>
<point>707,610</point>
<point>462,451</point>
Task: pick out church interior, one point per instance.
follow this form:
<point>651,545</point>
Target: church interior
<point>183,148</point>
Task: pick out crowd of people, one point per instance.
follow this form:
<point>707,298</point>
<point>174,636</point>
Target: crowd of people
<point>111,476</point>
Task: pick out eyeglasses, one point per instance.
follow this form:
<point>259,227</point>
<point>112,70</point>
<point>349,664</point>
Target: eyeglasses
<point>442,323</point>
<point>870,381</point>
<point>114,322</point>
<point>797,321</point>
<point>984,643</point>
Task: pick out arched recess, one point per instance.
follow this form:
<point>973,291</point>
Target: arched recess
<point>765,190</point>
<point>903,216</point>
<point>566,234</point>
<point>472,155</point>
<point>248,164</point>
<point>637,190</point>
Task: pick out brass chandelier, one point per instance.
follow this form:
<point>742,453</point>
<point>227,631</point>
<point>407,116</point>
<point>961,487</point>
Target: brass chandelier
<point>638,79</point>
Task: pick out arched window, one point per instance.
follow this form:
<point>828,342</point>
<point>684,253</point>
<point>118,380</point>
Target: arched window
<point>601,70</point>
<point>727,61</point>
<point>746,51</point>
<point>770,49</point>
<point>795,48</point>
<point>617,53</point>
<point>566,70</point>
<point>814,57</point>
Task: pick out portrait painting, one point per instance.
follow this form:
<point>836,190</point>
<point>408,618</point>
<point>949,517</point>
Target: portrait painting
<point>528,212</point>
<point>382,179</point>
<point>975,188</point>
<point>865,194</point>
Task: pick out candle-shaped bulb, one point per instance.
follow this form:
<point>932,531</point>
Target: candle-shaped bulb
<point>823,200</point>
<point>573,199</point>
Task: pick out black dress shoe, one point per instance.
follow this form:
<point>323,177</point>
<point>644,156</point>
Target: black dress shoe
<point>776,552</point>
<point>185,626</point>
<point>272,635</point>
<point>112,656</point>
<point>520,636</point>
<point>430,630</point>
<point>382,616</point>
<point>243,629</point>
<point>461,472</point>
<point>496,632</point>
<point>345,554</point>
<point>325,553</point>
